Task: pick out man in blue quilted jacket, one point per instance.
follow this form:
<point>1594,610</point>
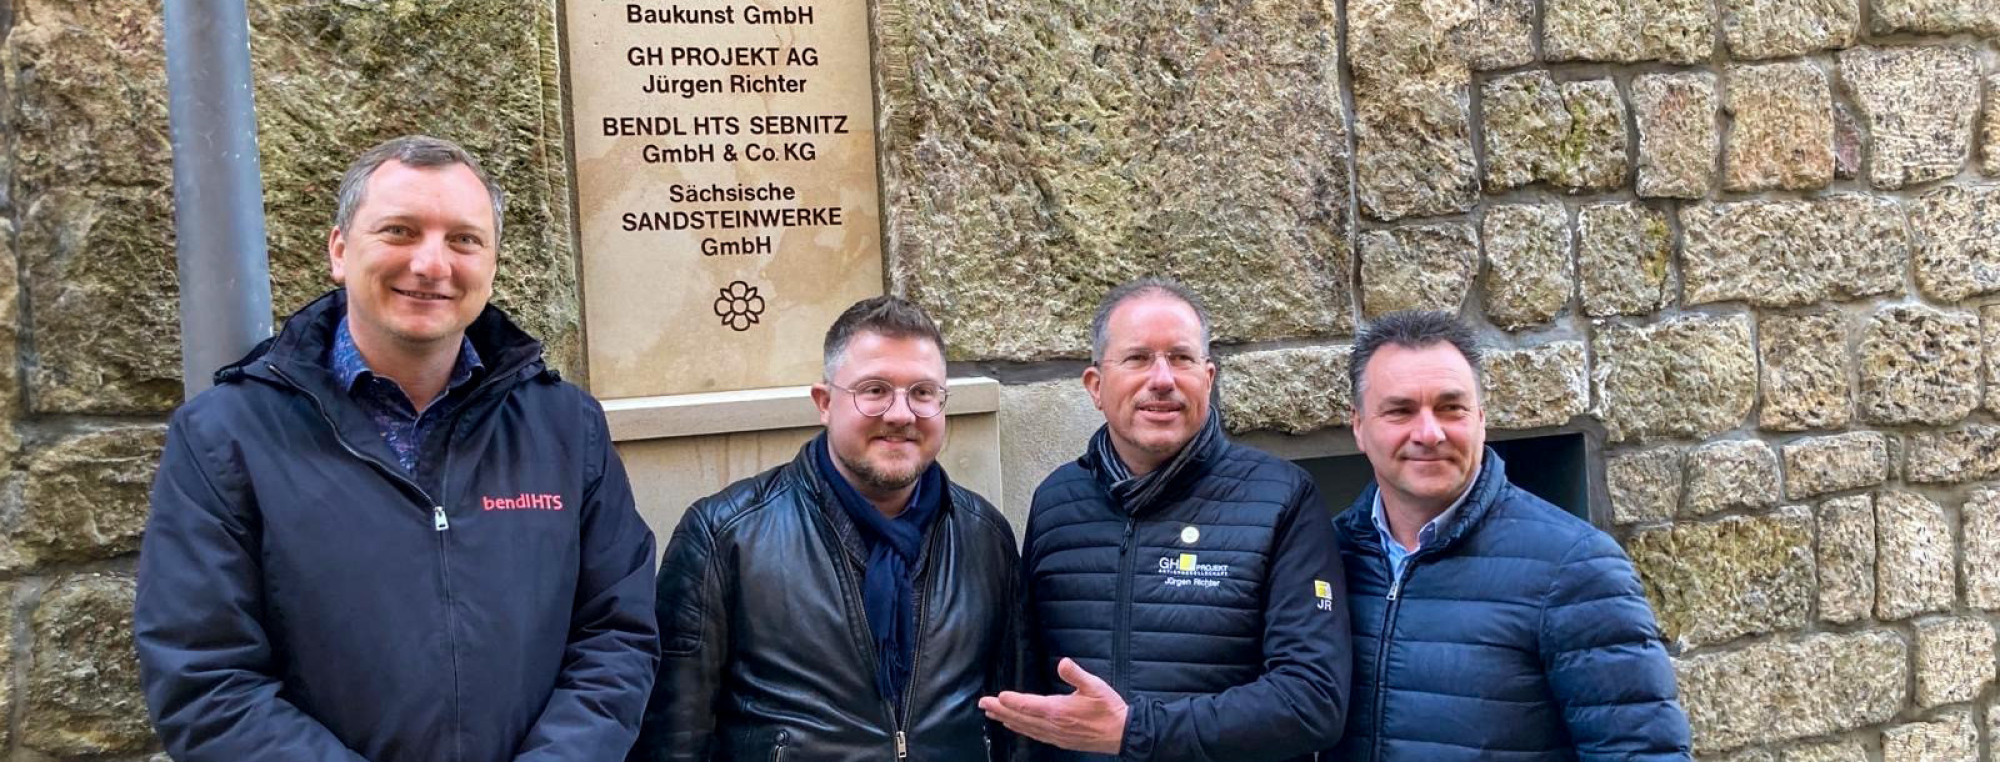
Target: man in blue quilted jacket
<point>1488,624</point>
<point>1183,598</point>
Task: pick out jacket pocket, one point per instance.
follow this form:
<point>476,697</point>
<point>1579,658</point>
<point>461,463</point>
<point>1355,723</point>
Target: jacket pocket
<point>778,744</point>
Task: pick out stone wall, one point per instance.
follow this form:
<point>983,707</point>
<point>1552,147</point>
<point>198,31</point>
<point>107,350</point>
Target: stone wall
<point>1751,248</point>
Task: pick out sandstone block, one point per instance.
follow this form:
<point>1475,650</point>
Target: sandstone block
<point>1956,231</point>
<point>1779,28</point>
<point>1979,564</point>
<point>1783,689</point>
<point>1919,104</point>
<point>1846,558</point>
<point>1622,255</point>
<point>1290,390</point>
<point>1413,133</point>
<point>1570,134</point>
<point>1427,267</point>
<point>1755,575</point>
<point>1783,131</point>
<point>83,688</point>
<point>1733,473</point>
<point>1646,485</point>
<point>1804,377</point>
<point>86,496</point>
<point>1042,426</point>
<point>1949,738</point>
<point>1676,31</point>
<point>1677,138</point>
<point>6,648</point>
<point>1989,130</point>
<point>1963,454</point>
<point>1688,377</point>
<point>1204,143</point>
<point>1504,35</point>
<point>1541,386</point>
<point>1954,660</point>
<point>1792,253</point>
<point>1527,263</point>
<point>1936,16</point>
<point>1989,345</point>
<point>1917,364</point>
<point>1913,557</point>
<point>1820,465</point>
<point>1826,751</point>
<point>1867,243</point>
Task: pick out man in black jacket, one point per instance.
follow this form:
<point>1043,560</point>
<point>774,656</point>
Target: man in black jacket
<point>1187,588</point>
<point>390,533</point>
<point>852,604</point>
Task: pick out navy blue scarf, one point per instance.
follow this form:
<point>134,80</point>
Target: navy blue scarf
<point>888,592</point>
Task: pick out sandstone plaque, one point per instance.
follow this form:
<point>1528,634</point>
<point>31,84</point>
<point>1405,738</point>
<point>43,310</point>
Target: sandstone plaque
<point>725,186</point>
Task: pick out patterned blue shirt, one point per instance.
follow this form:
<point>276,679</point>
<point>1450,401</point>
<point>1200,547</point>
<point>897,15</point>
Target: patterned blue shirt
<point>401,424</point>
<point>1399,558</point>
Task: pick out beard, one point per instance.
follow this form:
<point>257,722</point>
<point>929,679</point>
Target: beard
<point>882,479</point>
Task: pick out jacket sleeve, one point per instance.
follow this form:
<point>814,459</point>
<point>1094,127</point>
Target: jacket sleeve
<point>1604,660</point>
<point>694,647</point>
<point>205,660</point>
<point>1299,705</point>
<point>608,664</point>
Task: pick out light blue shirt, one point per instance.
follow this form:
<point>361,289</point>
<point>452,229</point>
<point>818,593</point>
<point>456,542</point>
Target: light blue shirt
<point>1399,558</point>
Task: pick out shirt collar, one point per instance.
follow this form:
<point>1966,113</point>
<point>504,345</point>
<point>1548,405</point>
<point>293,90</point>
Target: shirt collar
<point>1432,527</point>
<point>349,366</point>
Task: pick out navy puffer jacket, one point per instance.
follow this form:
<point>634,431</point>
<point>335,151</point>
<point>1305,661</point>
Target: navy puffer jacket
<point>1214,605</point>
<point>1520,635</point>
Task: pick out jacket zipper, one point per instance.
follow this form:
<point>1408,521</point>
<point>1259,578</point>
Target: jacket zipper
<point>1395,599</point>
<point>898,716</point>
<point>1121,638</point>
<point>778,749</point>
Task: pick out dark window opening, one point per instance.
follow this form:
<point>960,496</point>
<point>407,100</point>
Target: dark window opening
<point>1551,467</point>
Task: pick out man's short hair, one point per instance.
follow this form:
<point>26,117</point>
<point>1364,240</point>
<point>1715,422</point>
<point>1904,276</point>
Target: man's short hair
<point>422,152</point>
<point>1100,323</point>
<point>886,315</point>
<point>1410,329</point>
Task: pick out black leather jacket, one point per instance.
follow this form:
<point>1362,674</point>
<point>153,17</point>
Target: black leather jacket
<point>766,652</point>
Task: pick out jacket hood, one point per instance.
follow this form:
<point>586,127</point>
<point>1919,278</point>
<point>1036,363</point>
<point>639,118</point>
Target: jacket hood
<point>1357,525</point>
<point>302,343</point>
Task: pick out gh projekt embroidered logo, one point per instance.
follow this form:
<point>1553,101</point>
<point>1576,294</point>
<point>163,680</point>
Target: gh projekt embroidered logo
<point>1187,569</point>
<point>526,501</point>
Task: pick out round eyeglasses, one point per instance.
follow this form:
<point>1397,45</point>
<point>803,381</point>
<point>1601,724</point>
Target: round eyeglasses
<point>874,398</point>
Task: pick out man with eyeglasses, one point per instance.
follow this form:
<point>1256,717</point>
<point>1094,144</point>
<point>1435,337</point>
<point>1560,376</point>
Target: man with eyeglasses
<point>852,604</point>
<point>1187,589</point>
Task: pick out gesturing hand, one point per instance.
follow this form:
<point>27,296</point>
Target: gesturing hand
<point>1092,719</point>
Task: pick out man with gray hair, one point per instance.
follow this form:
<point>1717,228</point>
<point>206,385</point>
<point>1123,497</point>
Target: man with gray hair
<point>1489,619</point>
<point>1186,588</point>
<point>391,532</point>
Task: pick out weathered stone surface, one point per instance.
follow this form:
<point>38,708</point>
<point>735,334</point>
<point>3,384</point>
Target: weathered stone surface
<point>83,688</point>
<point>1954,660</point>
<point>1783,131</point>
<point>1043,425</point>
<point>1827,751</point>
<point>6,657</point>
<point>1676,31</point>
<point>1918,364</point>
<point>1528,269</point>
<point>1989,346</point>
<point>1779,690</point>
<point>1646,485</point>
<point>1570,135</point>
<point>1963,454</point>
<point>1913,557</point>
<point>1747,755</point>
<point>1542,386</point>
<point>1804,378</point>
<point>86,497</point>
<point>1989,130</point>
<point>1778,28</point>
<point>1949,738</point>
<point>1413,152</point>
<point>1290,390</point>
<point>1846,558</point>
<point>1956,231</point>
<point>1675,114</point>
<point>1504,35</point>
<point>1427,267</point>
<point>1622,255</point>
<point>1980,17</point>
<point>1792,253</point>
<point>1755,575</point>
<point>1979,562</point>
<point>1846,143</point>
<point>10,358</point>
<point>1032,159</point>
<point>1840,462</point>
<point>1919,103</point>
<point>1733,473</point>
<point>1687,377</point>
